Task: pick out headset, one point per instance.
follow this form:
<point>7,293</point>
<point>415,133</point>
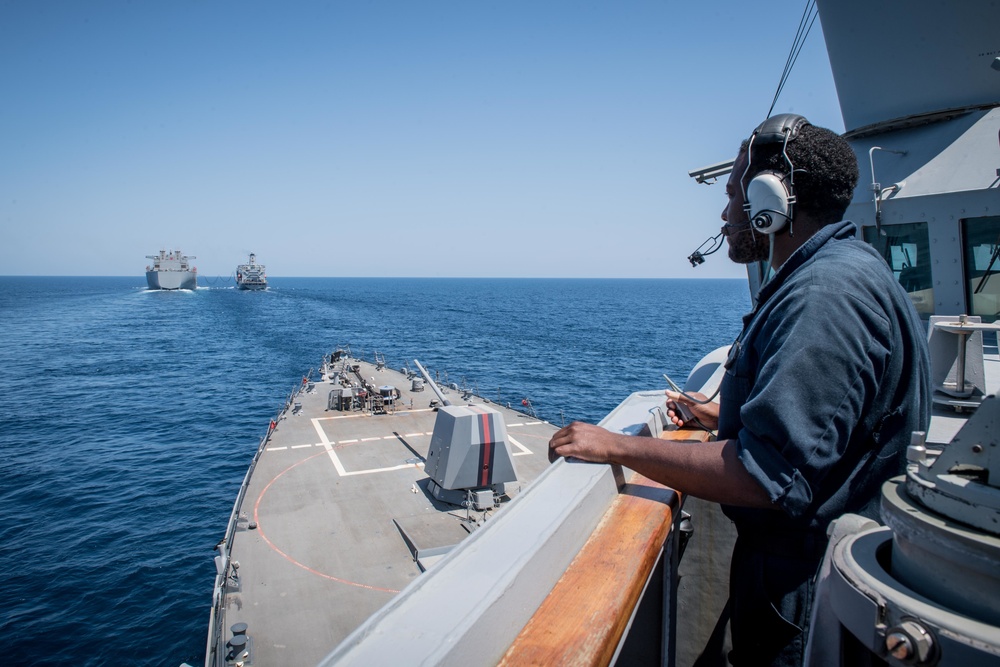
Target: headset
<point>769,199</point>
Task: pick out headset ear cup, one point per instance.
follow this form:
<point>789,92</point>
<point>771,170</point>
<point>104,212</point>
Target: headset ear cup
<point>768,203</point>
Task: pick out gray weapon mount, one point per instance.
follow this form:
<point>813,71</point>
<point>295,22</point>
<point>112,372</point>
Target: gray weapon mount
<point>469,460</point>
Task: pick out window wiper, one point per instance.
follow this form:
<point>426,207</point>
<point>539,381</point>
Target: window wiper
<point>989,268</point>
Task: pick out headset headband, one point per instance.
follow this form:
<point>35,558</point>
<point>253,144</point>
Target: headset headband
<point>779,129</point>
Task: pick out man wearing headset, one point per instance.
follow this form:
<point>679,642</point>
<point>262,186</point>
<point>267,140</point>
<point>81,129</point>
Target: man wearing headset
<point>823,387</point>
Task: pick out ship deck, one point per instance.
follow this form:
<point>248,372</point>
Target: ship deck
<point>320,534</point>
<point>337,517</point>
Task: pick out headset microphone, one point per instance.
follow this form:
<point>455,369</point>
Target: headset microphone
<point>698,256</point>
<point>714,243</point>
<point>730,228</point>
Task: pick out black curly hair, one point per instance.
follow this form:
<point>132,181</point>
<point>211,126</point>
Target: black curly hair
<point>826,171</point>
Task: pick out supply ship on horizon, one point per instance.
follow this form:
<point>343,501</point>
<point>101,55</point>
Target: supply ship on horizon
<point>251,276</point>
<point>170,271</point>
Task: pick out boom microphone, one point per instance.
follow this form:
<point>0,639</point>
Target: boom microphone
<point>713,243</point>
<point>730,228</point>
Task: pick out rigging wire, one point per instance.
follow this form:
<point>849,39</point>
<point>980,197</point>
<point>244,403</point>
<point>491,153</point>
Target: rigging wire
<point>215,281</point>
<point>688,396</point>
<point>809,15</point>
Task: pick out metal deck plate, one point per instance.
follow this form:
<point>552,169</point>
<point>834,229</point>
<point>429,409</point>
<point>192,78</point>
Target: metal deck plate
<point>326,553</point>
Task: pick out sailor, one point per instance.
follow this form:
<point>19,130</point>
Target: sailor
<point>823,387</point>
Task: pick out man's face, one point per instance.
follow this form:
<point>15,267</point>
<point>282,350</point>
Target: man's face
<point>745,245</point>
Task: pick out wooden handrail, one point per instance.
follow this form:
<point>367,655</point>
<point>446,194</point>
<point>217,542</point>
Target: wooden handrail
<point>583,619</point>
<point>687,434</point>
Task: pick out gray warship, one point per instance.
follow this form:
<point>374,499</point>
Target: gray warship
<point>171,270</point>
<point>370,530</point>
<point>251,276</point>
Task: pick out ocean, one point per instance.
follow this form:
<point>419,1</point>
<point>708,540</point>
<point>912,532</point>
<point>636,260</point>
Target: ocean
<point>130,417</point>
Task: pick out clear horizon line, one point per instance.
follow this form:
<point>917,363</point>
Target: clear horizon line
<point>40,275</point>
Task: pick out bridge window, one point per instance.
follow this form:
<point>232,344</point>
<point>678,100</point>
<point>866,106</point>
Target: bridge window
<point>907,250</point>
<point>981,247</point>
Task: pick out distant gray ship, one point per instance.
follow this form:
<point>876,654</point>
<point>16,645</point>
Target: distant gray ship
<point>251,276</point>
<point>171,270</point>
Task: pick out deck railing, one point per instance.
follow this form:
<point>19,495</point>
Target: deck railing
<point>498,597</point>
<point>216,623</point>
<point>580,568</point>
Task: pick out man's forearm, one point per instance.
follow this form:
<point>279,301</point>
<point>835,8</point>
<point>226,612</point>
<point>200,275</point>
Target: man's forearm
<point>708,470</point>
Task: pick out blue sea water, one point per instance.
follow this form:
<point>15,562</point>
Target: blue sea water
<point>130,416</point>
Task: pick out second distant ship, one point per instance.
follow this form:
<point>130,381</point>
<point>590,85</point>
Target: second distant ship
<point>251,275</point>
<point>171,270</point>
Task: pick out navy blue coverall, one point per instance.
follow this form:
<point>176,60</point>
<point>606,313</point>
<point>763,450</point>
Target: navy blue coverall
<point>823,388</point>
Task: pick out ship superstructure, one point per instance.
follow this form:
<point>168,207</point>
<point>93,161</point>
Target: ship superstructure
<point>171,270</point>
<point>251,276</point>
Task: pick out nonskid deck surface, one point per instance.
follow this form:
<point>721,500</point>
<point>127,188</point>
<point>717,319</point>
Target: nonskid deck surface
<point>318,545</point>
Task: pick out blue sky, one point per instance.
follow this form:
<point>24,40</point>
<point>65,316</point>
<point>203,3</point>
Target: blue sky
<point>384,138</point>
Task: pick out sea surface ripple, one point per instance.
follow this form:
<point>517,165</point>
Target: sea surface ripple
<point>130,417</point>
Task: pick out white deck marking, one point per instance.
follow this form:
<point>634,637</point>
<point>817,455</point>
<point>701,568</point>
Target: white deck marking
<point>524,450</point>
<point>339,466</point>
<point>389,469</point>
<point>325,441</point>
<point>347,442</point>
<point>370,439</point>
<point>320,431</point>
<point>336,459</point>
<point>276,449</point>
<point>301,446</point>
<point>363,414</point>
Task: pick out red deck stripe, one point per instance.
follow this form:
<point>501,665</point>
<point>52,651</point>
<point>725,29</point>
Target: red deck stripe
<point>487,446</point>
